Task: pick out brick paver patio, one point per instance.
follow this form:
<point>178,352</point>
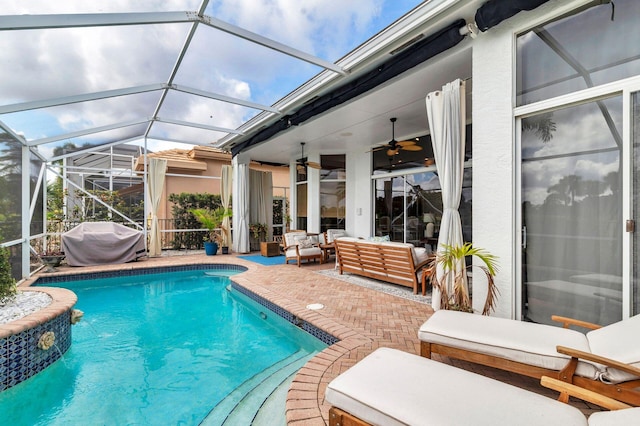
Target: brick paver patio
<point>361,318</point>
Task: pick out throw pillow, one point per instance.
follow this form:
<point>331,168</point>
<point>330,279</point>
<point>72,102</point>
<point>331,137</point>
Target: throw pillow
<point>305,243</point>
<point>379,239</point>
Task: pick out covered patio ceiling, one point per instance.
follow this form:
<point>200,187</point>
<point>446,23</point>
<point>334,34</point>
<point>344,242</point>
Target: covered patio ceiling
<point>91,76</point>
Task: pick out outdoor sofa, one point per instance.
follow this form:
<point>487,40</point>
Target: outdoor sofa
<point>397,263</point>
<point>605,360</point>
<point>391,387</point>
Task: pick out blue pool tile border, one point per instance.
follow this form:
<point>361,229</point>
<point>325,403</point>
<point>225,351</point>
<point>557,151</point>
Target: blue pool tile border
<point>138,271</point>
<point>316,332</point>
<point>20,357</point>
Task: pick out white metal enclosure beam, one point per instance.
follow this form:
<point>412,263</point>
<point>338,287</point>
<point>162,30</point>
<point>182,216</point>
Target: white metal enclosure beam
<point>66,100</point>
<point>88,132</point>
<point>199,126</point>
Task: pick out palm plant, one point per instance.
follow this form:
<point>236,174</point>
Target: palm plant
<point>212,220</point>
<point>450,260</point>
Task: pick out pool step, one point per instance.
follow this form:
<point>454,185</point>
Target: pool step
<point>271,412</point>
<point>241,405</point>
<point>246,412</point>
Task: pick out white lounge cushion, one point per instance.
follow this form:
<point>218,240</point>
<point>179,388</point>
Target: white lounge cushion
<point>391,387</point>
<point>629,416</point>
<point>617,341</point>
<point>525,342</point>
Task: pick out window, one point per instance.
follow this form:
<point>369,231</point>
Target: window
<point>574,187</point>
<point>577,52</point>
<point>405,205</point>
<point>332,192</point>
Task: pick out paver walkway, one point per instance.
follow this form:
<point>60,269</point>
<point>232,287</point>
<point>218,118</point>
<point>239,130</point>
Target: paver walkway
<point>361,318</point>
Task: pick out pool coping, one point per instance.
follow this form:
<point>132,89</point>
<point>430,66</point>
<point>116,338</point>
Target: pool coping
<point>61,300</point>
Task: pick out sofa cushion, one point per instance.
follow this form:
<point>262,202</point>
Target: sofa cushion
<point>420,254</point>
<point>312,251</point>
<point>525,342</point>
<point>617,341</point>
<point>392,387</point>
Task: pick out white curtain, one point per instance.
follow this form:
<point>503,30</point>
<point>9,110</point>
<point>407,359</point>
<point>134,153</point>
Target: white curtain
<point>261,198</point>
<point>157,170</point>
<point>446,115</point>
<point>226,187</point>
<point>241,208</point>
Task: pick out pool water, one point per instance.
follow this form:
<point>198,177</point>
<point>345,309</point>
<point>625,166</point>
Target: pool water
<point>156,349</point>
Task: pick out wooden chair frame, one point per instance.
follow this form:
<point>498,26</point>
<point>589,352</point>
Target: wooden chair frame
<point>627,392</point>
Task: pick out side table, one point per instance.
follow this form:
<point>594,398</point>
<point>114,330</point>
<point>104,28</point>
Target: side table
<point>269,249</point>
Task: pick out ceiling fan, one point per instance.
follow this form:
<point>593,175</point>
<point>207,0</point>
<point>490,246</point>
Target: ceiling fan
<point>393,147</point>
<point>302,162</point>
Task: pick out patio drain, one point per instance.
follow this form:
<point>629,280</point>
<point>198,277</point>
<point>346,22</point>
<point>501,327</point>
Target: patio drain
<point>315,306</point>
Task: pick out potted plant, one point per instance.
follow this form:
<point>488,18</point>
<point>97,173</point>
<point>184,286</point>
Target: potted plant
<point>52,256</point>
<point>258,233</point>
<point>450,260</point>
<point>212,220</point>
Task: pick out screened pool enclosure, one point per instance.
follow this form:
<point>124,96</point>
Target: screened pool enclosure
<point>87,88</point>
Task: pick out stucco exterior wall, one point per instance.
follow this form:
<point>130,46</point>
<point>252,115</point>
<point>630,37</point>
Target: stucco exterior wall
<point>493,162</point>
<point>495,180</point>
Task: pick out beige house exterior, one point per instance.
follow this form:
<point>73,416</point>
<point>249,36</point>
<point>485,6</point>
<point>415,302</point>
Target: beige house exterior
<point>199,170</point>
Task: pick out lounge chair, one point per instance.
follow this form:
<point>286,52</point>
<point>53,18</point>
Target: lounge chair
<point>605,360</point>
<point>391,387</point>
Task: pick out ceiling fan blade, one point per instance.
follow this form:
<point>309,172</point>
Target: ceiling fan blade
<point>406,143</point>
<point>392,152</point>
<point>378,148</point>
<point>412,148</point>
<point>313,165</point>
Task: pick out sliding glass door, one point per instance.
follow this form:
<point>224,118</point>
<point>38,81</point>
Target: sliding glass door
<point>635,184</point>
<point>408,208</point>
<point>572,199</point>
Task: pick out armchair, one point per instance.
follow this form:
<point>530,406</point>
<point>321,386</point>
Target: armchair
<point>299,246</point>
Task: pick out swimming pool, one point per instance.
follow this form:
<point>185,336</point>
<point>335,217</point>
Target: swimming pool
<point>166,348</point>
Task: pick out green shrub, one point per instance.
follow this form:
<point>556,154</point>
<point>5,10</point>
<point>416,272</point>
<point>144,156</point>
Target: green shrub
<point>7,283</point>
<point>183,204</point>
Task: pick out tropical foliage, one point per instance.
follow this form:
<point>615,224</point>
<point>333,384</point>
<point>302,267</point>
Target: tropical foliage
<point>258,230</point>
<point>450,260</point>
<point>183,203</point>
<point>212,220</point>
<point>7,282</point>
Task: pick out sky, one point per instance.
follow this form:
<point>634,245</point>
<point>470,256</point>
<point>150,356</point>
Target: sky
<point>47,64</point>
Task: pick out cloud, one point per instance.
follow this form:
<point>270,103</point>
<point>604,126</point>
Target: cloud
<point>313,26</point>
<point>46,64</point>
